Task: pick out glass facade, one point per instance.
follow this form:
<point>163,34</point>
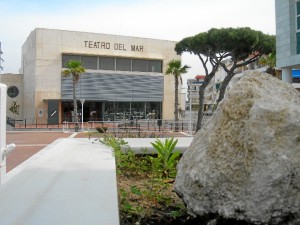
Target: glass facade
<point>115,111</point>
<point>89,62</point>
<point>115,95</point>
<point>112,111</point>
<point>298,26</point>
<point>123,64</point>
<point>115,63</point>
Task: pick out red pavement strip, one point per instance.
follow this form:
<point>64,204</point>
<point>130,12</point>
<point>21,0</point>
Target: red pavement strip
<point>27,144</point>
<point>30,142</point>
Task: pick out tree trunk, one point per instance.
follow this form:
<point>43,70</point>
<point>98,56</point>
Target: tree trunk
<point>75,105</point>
<point>201,105</point>
<point>176,105</point>
<point>202,88</point>
<point>223,87</point>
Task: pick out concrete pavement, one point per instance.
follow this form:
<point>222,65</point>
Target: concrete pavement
<point>71,181</point>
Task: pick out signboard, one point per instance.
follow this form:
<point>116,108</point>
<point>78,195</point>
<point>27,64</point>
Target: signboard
<point>113,46</point>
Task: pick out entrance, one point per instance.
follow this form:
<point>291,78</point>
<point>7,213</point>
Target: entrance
<point>92,111</point>
<point>52,112</point>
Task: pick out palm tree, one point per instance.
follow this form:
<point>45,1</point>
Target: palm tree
<point>270,62</point>
<point>175,69</point>
<point>75,69</point>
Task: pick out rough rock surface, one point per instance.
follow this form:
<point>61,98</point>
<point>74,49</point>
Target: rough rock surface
<point>245,163</point>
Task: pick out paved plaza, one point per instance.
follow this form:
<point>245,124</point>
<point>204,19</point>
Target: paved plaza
<point>63,175</point>
<point>29,143</point>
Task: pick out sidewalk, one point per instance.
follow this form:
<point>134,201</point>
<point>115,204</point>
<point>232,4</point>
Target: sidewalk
<point>71,181</point>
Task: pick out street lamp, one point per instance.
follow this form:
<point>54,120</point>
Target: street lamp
<point>82,102</point>
<point>190,122</point>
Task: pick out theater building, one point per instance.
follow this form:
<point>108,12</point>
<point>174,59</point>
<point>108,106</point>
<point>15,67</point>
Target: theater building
<point>124,76</point>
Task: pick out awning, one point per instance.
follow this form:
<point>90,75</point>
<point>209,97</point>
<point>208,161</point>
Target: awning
<point>296,73</point>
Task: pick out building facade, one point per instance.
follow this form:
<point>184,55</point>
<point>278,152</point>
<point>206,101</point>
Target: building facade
<point>288,39</point>
<point>124,76</point>
<point>14,83</point>
<point>209,95</point>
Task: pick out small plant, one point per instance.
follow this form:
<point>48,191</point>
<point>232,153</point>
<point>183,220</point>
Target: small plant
<point>101,130</point>
<point>89,133</point>
<point>14,109</point>
<point>126,160</point>
<point>167,158</point>
<point>147,189</point>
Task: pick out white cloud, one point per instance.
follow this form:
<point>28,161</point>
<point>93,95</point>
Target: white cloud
<point>161,19</point>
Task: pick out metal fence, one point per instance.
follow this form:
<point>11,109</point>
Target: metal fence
<point>136,126</point>
<point>31,123</point>
<point>146,125</point>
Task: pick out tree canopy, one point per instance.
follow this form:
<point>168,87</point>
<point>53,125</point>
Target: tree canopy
<point>236,43</point>
<point>74,68</point>
<point>241,45</point>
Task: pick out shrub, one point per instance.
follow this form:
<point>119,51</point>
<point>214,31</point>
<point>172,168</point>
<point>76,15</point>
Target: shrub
<point>101,130</point>
<point>167,158</point>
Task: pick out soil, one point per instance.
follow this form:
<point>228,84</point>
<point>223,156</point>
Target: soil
<point>152,204</point>
<point>147,196</point>
<point>149,203</point>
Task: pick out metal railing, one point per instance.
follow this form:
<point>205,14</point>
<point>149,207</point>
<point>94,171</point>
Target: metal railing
<point>140,125</point>
<point>31,123</point>
<point>134,126</point>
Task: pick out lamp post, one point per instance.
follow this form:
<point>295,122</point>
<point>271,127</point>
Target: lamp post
<point>190,122</point>
<point>82,102</point>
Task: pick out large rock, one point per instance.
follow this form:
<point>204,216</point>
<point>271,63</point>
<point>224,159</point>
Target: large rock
<point>245,163</point>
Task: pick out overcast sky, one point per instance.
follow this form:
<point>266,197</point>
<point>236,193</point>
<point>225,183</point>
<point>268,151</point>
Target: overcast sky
<point>160,19</point>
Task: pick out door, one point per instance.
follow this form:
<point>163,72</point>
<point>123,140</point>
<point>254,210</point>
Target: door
<point>52,112</point>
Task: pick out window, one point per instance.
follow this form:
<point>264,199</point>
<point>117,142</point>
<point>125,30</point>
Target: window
<point>89,62</point>
<point>298,26</point>
<point>155,66</point>
<point>12,91</point>
<point>123,64</point>
<point>67,58</point>
<point>140,65</point>
<point>106,63</point>
<point>112,63</point>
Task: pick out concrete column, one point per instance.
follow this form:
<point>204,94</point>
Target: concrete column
<point>287,74</point>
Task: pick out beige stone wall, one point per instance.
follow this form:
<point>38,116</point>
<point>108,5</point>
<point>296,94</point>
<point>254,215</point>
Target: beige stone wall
<point>29,72</point>
<point>42,61</point>
<point>17,81</point>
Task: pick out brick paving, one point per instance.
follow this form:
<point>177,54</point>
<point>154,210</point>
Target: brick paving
<point>27,144</point>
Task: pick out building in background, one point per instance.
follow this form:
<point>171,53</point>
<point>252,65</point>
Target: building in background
<point>288,39</point>
<point>14,83</point>
<point>193,94</point>
<point>1,60</point>
<point>124,76</point>
<point>212,89</point>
